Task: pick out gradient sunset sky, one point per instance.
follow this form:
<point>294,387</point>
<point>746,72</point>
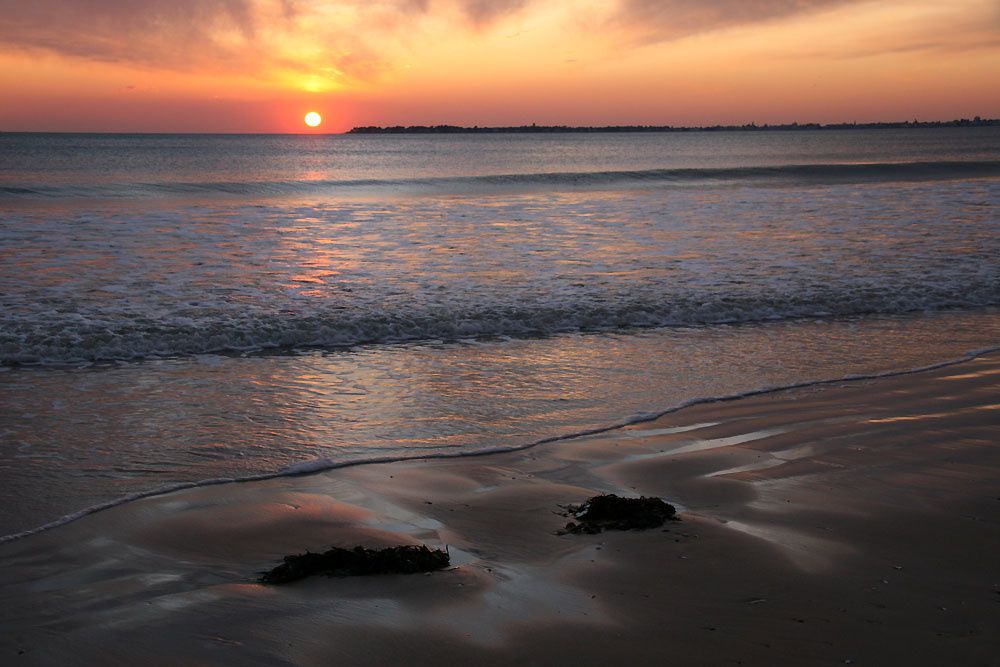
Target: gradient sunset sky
<point>260,65</point>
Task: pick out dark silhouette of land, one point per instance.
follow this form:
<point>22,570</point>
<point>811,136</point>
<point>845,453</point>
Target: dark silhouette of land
<point>750,127</point>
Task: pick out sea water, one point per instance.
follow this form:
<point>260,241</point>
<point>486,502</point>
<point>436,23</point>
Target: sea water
<point>180,309</point>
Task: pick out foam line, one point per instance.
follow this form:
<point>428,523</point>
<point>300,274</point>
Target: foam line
<point>84,337</point>
<point>805,174</point>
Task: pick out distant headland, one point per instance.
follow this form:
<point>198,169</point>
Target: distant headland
<point>750,127</point>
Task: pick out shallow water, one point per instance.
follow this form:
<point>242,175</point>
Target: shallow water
<point>91,435</point>
<point>260,315</point>
<point>112,283</point>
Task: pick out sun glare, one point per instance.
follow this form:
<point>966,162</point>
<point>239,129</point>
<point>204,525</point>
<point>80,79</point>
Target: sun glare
<point>313,119</point>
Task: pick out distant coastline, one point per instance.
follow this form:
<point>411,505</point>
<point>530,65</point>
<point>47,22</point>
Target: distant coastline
<point>750,127</point>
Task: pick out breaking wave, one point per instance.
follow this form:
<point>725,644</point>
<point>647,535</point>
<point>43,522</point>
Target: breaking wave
<point>796,174</point>
<point>51,337</point>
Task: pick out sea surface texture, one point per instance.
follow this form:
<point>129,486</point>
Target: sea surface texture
<point>185,309</point>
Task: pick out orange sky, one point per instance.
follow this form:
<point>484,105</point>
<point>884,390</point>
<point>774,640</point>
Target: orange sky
<point>260,65</point>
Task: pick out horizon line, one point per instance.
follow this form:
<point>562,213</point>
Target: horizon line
<point>444,128</point>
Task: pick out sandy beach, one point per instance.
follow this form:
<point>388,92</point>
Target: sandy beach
<point>327,328</point>
<point>853,523</point>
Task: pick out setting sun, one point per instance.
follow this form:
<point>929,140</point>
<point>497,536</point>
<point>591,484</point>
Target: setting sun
<point>313,119</point>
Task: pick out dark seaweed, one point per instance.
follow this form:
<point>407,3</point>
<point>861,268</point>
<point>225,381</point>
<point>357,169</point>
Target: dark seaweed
<point>358,561</point>
<point>611,512</point>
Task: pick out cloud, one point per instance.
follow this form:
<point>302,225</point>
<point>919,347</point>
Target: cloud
<point>329,42</point>
<point>344,41</point>
<point>943,31</point>
<point>242,36</point>
<point>663,20</point>
<point>484,12</point>
<point>908,45</point>
<point>123,30</point>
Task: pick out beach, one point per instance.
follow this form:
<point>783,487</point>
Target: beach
<point>851,522</point>
<point>481,332</point>
<point>220,350</point>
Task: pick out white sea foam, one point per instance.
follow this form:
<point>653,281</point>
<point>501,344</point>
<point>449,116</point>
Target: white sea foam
<point>120,284</point>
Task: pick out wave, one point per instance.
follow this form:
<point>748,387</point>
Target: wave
<point>320,465</point>
<point>66,338</point>
<point>796,174</point>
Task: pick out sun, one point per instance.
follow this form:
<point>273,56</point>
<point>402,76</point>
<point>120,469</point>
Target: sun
<point>313,119</point>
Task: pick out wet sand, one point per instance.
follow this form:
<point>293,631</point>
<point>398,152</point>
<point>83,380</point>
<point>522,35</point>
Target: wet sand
<point>855,523</point>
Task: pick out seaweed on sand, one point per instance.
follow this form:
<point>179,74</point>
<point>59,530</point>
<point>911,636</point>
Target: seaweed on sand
<point>358,561</point>
<point>611,512</point>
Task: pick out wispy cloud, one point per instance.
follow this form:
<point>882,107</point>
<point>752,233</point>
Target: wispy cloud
<point>361,40</point>
<point>483,12</point>
<point>338,38</point>
<point>663,20</point>
<point>937,31</point>
<point>163,33</point>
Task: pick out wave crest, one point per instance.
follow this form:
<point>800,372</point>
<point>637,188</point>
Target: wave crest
<point>49,338</point>
<point>796,174</point>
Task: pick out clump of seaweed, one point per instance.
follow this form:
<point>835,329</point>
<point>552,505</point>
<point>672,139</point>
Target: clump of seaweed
<point>611,512</point>
<point>358,561</point>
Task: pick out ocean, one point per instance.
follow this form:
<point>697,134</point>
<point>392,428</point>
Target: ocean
<point>178,310</point>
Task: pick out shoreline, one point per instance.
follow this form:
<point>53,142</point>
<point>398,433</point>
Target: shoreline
<point>976,121</point>
<point>319,466</point>
<point>823,524</point>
